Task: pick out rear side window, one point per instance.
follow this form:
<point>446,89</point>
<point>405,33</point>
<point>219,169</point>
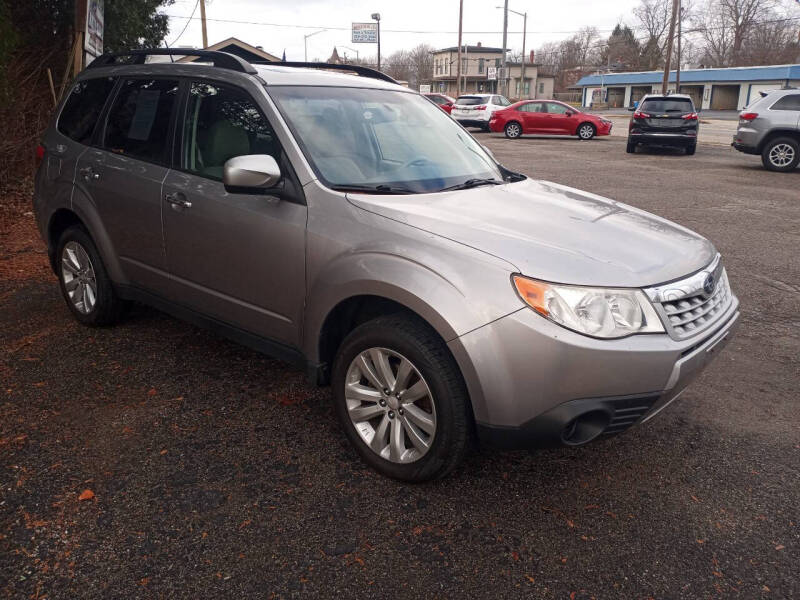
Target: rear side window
<point>138,121</point>
<point>83,107</point>
<point>470,100</point>
<point>790,102</point>
<point>666,105</point>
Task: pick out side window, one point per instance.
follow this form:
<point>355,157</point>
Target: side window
<point>790,102</point>
<point>138,122</point>
<point>556,109</point>
<point>83,107</point>
<point>496,101</point>
<point>526,107</point>
<point>536,107</point>
<point>222,122</point>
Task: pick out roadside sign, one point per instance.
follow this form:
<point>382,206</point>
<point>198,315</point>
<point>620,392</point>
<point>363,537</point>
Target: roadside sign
<point>425,88</point>
<point>365,33</point>
<point>93,38</point>
<point>491,73</point>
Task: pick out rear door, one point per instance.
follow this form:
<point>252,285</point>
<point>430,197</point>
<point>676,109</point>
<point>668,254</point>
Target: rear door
<point>786,112</point>
<point>234,255</point>
<point>123,174</point>
<point>534,117</point>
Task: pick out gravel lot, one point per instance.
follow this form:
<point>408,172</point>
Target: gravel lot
<point>217,472</point>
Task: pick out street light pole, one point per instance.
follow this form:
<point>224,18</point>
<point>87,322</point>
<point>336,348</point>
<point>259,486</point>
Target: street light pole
<point>377,18</point>
<point>505,50</point>
<point>678,66</point>
<point>351,50</point>
<point>305,42</point>
<point>524,33</point>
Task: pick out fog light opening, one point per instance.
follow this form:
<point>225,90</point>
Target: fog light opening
<point>584,428</point>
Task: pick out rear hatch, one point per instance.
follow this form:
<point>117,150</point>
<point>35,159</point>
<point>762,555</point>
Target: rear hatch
<point>672,115</point>
<point>468,105</point>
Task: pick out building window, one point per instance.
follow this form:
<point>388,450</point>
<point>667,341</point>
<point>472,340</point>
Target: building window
<point>480,66</point>
<point>497,63</point>
<point>464,65</point>
<point>541,88</point>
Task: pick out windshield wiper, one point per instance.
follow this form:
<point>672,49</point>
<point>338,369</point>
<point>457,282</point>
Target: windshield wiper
<point>374,189</point>
<point>471,183</point>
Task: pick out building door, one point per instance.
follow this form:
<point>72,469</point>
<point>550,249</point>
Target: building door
<point>638,92</point>
<point>695,92</point>
<point>616,97</point>
<point>724,97</point>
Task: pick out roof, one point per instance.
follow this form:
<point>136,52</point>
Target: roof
<point>771,73</point>
<point>281,75</point>
<point>241,49</point>
<point>473,49</point>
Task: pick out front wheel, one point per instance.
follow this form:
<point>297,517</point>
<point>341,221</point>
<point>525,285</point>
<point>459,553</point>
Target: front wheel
<point>586,131</point>
<point>401,400</point>
<point>513,130</point>
<point>781,154</point>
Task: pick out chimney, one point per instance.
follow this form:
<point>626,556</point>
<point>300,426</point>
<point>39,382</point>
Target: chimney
<point>531,60</point>
<point>479,44</point>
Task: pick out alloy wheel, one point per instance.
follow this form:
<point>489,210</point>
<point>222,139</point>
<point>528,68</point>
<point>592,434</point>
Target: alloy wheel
<point>512,130</point>
<point>586,132</point>
<point>390,405</point>
<point>79,278</point>
<point>781,155</point>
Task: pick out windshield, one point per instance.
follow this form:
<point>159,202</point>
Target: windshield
<point>471,100</point>
<point>370,138</point>
<point>664,106</point>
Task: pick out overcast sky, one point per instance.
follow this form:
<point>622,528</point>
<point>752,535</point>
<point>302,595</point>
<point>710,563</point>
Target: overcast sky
<point>281,24</point>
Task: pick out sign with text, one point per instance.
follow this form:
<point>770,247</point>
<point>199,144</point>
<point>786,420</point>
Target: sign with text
<point>424,88</point>
<point>491,73</point>
<point>93,32</point>
<point>365,33</point>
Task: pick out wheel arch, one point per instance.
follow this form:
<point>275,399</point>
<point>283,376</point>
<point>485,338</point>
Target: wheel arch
<point>582,123</point>
<point>776,133</point>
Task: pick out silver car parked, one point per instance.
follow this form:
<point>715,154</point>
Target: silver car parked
<point>770,126</point>
<point>346,224</point>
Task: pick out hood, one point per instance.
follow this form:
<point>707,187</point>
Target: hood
<point>554,233</point>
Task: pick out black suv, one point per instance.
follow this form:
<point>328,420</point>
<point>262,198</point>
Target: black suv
<point>664,121</point>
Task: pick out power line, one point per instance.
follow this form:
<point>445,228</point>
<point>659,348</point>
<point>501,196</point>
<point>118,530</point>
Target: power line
<point>188,20</point>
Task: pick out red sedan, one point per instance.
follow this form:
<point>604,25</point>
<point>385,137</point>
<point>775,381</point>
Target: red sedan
<point>547,117</point>
<point>442,101</point>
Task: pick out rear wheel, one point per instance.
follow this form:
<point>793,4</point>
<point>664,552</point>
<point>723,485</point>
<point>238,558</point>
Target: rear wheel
<point>781,154</point>
<point>84,281</point>
<point>690,150</point>
<point>586,131</point>
<point>513,130</point>
<point>400,398</point>
<point>630,148</point>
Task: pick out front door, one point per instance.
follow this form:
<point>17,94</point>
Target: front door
<point>235,256</point>
<point>558,121</point>
<point>123,176</point>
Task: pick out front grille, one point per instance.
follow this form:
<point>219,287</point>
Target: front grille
<point>688,307</point>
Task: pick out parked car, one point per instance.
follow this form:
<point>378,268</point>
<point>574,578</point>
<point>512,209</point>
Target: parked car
<point>660,120</point>
<point>343,223</point>
<point>476,110</point>
<point>442,101</point>
<point>771,127</point>
<point>548,117</point>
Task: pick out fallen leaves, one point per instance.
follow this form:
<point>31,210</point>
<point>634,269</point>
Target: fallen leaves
<point>86,495</point>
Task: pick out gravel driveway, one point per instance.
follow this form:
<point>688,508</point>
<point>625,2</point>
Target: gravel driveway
<point>207,470</point>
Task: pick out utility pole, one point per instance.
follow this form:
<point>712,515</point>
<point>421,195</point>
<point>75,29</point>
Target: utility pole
<point>668,58</point>
<point>678,66</point>
<point>458,66</point>
<point>203,21</point>
<point>505,41</point>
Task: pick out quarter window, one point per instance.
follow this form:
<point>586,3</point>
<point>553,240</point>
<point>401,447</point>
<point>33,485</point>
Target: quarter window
<point>138,122</point>
<point>790,102</point>
<point>83,107</point>
<point>223,122</point>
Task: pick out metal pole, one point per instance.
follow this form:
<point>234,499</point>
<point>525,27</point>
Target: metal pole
<point>458,66</point>
<point>305,48</point>
<point>668,58</point>
<point>504,85</point>
<point>203,22</point>
<point>524,31</point>
<point>379,45</point>
<point>678,66</point>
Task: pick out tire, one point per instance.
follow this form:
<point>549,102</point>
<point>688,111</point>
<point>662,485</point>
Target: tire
<point>781,154</point>
<point>586,131</point>
<point>630,148</point>
<point>690,150</point>
<point>84,281</point>
<point>513,130</point>
<point>443,403</point>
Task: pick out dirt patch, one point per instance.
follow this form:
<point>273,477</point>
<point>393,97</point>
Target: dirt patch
<point>23,255</point>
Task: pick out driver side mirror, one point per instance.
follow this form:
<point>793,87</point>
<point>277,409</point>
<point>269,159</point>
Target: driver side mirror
<point>569,113</point>
<point>253,171</point>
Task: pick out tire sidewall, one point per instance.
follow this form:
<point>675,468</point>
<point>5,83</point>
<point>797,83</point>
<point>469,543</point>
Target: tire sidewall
<point>519,130</point>
<point>371,335</point>
<point>580,128</point>
<point>106,305</point>
<point>781,140</point>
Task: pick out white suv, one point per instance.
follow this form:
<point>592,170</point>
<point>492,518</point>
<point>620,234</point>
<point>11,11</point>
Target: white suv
<point>475,110</point>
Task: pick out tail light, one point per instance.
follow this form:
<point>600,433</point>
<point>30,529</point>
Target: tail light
<point>640,115</point>
<point>39,155</point>
<point>748,116</point>
<point>480,107</point>
<point>690,117</point>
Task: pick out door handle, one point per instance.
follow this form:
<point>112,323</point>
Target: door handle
<point>177,200</point>
<point>88,173</point>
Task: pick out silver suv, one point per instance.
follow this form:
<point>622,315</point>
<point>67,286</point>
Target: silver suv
<point>771,127</point>
<point>346,224</point>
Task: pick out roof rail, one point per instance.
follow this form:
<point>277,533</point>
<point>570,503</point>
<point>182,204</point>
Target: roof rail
<point>357,69</point>
<point>222,60</point>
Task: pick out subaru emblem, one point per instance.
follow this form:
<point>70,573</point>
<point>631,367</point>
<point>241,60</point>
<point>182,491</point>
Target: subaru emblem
<point>708,284</point>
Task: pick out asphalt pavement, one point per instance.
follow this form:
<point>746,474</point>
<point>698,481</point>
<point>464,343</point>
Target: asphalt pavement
<point>208,470</point>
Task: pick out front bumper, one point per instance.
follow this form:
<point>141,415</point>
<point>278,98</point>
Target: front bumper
<point>534,383</point>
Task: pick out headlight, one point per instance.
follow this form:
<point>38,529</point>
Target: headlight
<point>599,312</point>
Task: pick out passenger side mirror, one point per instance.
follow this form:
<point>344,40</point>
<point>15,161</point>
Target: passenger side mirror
<point>251,171</point>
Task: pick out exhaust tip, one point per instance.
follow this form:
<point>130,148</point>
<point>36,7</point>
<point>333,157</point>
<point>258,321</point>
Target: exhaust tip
<point>584,428</point>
